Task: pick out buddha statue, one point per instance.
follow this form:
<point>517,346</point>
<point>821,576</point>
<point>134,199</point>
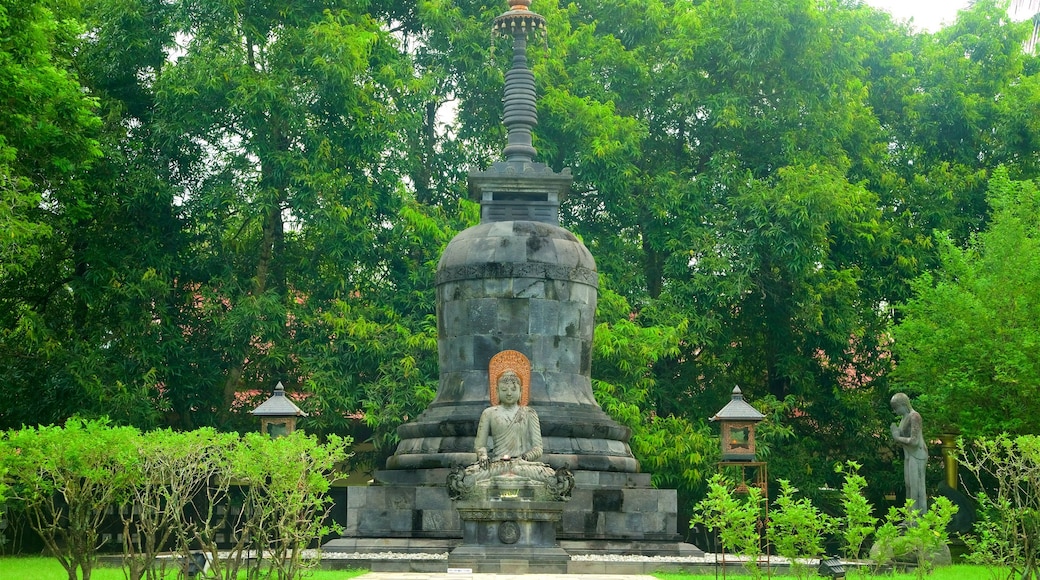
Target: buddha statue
<point>509,440</point>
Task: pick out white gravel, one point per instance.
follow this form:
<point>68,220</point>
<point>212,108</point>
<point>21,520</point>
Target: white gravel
<point>705,559</point>
<point>382,556</point>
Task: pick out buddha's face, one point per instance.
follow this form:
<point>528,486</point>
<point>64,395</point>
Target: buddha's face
<point>509,388</point>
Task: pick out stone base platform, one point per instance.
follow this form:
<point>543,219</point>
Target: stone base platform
<point>487,560</point>
<point>440,546</point>
<point>509,536</point>
<point>708,565</point>
<point>616,513</point>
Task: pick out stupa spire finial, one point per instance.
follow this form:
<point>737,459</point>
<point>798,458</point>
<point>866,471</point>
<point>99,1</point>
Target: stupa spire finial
<point>521,114</point>
<point>519,188</point>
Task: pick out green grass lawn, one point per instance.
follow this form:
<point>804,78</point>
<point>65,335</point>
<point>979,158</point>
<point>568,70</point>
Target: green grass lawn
<point>957,572</point>
<point>37,568</point>
<point>49,569</point>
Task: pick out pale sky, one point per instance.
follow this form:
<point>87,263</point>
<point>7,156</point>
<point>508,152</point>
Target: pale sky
<point>927,14</point>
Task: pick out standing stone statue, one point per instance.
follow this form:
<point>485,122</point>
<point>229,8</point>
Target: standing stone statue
<point>908,433</point>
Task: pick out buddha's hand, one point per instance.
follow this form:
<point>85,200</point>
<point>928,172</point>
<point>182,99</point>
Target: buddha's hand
<point>483,461</point>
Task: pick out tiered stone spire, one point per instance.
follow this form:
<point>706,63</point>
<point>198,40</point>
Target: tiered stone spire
<point>521,114</point>
<point>519,188</point>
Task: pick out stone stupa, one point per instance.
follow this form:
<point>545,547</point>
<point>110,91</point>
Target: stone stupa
<point>517,281</point>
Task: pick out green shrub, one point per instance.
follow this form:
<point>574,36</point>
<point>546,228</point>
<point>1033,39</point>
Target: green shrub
<point>857,522</point>
<point>1007,534</point>
<point>796,528</point>
<point>172,470</point>
<point>273,494</point>
<point>184,489</point>
<point>908,532</point>
<point>66,479</point>
<point>735,521</point>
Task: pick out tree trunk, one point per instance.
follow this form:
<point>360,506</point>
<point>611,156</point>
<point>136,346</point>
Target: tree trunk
<point>270,269</point>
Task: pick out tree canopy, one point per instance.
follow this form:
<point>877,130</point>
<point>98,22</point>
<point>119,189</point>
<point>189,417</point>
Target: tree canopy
<point>969,340</point>
<point>205,198</point>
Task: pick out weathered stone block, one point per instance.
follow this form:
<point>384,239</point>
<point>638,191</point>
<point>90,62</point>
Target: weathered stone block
<point>480,252</point>
<point>510,250</point>
<point>541,249</point>
<point>539,390</point>
<point>373,522</point>
<point>587,326</point>
<point>483,316</point>
<point>400,498</point>
<point>558,289</point>
<point>512,315</point>
<point>451,385</point>
<point>653,521</point>
<point>439,521</point>
<point>623,524</point>
<point>529,288</point>
<point>359,497</point>
<point>583,294</point>
<point>402,520</point>
<point>498,287</point>
<point>452,315</point>
<point>608,500</point>
<point>462,353</point>
<point>432,498</point>
<point>642,500</point>
<point>544,316</point>
<point>485,346</point>
<point>568,253</point>
<point>594,526</point>
<point>569,321</point>
<point>500,229</point>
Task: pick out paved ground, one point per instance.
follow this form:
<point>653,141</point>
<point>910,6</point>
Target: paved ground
<point>463,576</point>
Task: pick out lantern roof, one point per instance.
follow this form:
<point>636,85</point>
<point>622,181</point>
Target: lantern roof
<point>278,405</point>
<point>738,410</point>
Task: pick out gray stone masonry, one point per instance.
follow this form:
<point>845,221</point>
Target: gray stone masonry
<point>525,286</point>
<point>500,535</point>
<point>606,509</point>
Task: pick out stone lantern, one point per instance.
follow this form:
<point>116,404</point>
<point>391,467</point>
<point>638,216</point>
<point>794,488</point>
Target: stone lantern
<point>278,414</point>
<point>738,420</point>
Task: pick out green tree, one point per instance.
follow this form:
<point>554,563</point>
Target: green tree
<point>290,111</point>
<point>89,323</point>
<point>48,125</point>
<point>953,105</point>
<point>968,340</point>
<point>677,450</point>
<point>48,139</point>
<point>251,188</point>
<point>284,503</point>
